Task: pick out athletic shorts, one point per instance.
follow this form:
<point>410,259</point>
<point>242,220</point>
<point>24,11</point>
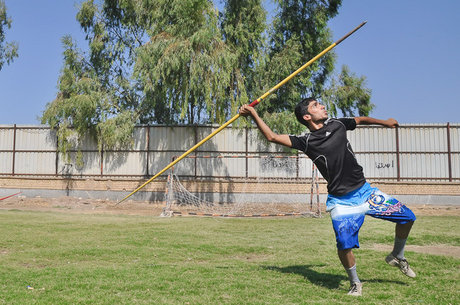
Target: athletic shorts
<point>348,211</point>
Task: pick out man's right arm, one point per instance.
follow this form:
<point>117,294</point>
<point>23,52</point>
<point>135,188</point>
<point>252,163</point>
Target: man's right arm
<point>283,139</point>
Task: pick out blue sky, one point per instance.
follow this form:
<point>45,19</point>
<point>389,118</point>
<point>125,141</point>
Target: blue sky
<point>409,52</point>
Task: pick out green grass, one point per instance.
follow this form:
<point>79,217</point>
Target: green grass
<point>94,259</point>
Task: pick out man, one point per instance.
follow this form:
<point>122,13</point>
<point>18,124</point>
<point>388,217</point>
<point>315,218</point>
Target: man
<point>350,197</point>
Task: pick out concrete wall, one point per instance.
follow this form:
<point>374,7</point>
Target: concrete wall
<point>221,190</point>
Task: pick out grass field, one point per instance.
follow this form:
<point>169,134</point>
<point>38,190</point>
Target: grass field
<point>61,258</point>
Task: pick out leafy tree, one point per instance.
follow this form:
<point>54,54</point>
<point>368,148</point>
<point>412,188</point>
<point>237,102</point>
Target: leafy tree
<point>8,50</point>
<point>178,61</point>
<point>97,95</point>
<point>149,61</point>
<point>347,93</point>
<point>186,68</point>
<point>243,25</point>
<point>85,105</point>
<point>299,33</point>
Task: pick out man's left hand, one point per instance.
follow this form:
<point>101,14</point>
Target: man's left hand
<point>392,123</point>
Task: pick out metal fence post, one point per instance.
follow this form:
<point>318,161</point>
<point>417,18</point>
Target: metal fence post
<point>195,130</point>
<point>398,165</point>
<point>247,152</point>
<point>297,164</point>
<point>102,160</point>
<point>57,153</point>
<point>14,149</point>
<point>449,153</point>
<point>148,151</point>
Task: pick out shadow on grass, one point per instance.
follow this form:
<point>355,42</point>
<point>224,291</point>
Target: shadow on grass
<point>383,281</point>
<point>331,281</point>
<point>328,280</point>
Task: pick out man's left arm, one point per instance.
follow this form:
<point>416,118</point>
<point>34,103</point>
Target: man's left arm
<point>364,120</point>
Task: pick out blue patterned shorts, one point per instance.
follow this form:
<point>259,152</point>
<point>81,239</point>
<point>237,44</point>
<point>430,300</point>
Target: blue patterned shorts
<point>348,211</point>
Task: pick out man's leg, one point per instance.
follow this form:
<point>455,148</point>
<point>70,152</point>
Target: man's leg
<point>403,230</point>
<point>396,257</point>
<point>401,234</point>
<point>347,258</point>
<point>346,221</point>
<point>386,207</point>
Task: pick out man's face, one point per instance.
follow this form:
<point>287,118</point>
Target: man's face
<point>317,112</point>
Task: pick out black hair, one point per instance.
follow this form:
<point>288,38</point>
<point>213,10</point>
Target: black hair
<point>302,109</point>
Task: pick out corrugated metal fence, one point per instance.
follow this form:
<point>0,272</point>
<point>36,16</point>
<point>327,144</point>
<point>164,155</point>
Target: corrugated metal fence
<point>410,152</point>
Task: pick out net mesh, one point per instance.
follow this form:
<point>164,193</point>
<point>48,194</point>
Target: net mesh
<point>247,203</point>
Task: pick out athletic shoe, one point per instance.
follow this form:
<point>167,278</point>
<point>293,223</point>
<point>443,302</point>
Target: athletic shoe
<point>356,289</point>
<point>402,264</point>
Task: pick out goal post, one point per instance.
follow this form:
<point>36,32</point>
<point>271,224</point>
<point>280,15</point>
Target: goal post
<point>274,185</point>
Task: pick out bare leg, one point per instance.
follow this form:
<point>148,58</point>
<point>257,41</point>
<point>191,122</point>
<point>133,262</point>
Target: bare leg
<point>347,258</point>
<point>402,230</point>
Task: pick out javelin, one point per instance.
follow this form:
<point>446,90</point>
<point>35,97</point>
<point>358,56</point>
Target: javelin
<point>254,103</point>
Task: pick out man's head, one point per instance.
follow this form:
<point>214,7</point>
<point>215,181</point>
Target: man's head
<point>309,111</point>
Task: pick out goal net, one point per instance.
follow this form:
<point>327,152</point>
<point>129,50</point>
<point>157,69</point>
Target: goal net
<point>269,194</point>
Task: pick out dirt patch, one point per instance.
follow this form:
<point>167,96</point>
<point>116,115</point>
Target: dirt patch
<point>446,250</point>
<point>130,207</point>
<point>435,210</point>
<point>82,205</point>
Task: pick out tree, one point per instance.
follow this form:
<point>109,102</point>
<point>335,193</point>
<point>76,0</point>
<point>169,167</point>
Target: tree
<point>186,68</point>
<point>87,105</point>
<point>347,93</point>
<point>8,50</point>
<point>299,33</point>
<point>149,61</point>
<point>179,62</point>
<point>243,25</point>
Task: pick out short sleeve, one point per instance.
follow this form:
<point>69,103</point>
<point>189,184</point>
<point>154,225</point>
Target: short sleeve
<point>298,142</point>
<point>350,123</point>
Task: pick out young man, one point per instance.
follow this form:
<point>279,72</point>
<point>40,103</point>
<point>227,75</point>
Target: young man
<point>350,197</point>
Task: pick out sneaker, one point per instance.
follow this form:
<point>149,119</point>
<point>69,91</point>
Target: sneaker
<point>402,264</point>
<point>356,289</point>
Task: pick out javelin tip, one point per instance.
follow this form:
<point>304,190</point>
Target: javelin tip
<point>351,32</point>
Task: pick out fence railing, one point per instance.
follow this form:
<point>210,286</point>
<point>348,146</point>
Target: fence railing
<point>409,152</point>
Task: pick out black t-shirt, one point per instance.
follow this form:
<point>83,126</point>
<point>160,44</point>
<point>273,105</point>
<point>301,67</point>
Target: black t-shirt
<point>330,150</point>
